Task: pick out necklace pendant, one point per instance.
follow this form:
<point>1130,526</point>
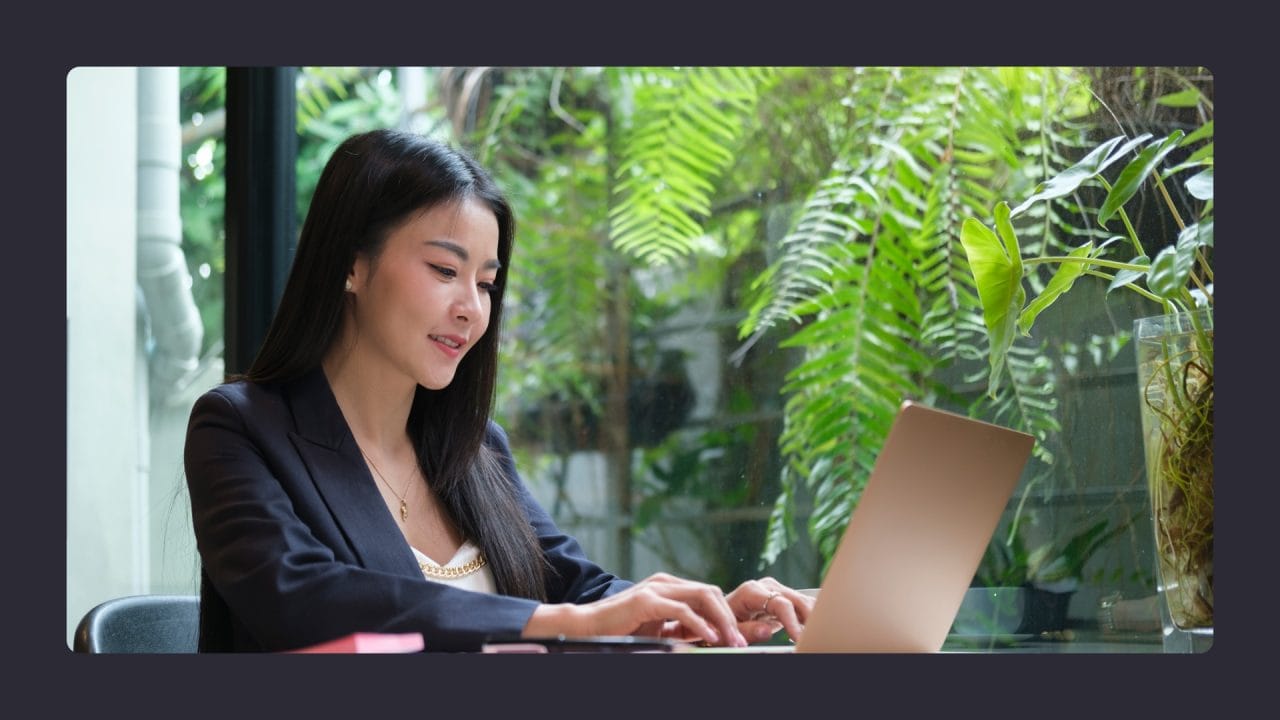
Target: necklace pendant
<point>404,511</point>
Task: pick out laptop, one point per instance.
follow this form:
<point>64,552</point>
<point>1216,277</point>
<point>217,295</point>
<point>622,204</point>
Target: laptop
<point>910,549</point>
<point>916,536</point>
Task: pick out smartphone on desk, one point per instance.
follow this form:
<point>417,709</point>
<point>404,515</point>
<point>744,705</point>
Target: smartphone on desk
<point>596,644</point>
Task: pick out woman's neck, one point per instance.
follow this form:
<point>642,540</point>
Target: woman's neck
<point>375,404</point>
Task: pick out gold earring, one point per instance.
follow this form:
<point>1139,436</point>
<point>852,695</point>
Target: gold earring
<point>348,284</point>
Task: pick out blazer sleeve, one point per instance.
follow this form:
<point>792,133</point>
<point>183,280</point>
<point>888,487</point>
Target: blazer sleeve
<point>574,578</point>
<point>288,582</point>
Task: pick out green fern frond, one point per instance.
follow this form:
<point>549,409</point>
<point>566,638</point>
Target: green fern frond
<point>1028,400</point>
<point>781,530</point>
<point>895,304</point>
<point>680,142</point>
<point>319,88</point>
<point>808,255</point>
<point>862,359</point>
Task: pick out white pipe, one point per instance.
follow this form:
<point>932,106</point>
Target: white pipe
<point>175,322</point>
<point>414,94</point>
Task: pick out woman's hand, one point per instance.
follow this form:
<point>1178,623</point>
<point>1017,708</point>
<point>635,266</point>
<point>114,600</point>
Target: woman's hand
<point>660,605</point>
<point>764,606</point>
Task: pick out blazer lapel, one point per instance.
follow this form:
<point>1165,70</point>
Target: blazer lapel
<point>331,455</point>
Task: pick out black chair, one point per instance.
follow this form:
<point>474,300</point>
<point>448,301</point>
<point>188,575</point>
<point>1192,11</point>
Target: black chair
<point>141,624</point>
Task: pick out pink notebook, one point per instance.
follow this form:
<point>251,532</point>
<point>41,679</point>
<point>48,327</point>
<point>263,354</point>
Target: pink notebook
<point>367,642</point>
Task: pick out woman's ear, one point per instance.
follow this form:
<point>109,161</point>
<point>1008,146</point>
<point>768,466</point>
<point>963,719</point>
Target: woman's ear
<point>357,274</point>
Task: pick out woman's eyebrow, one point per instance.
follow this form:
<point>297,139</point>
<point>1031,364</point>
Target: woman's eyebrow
<point>461,252</point>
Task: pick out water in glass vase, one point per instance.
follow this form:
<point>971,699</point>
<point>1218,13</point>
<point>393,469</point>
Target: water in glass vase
<point>1175,384</point>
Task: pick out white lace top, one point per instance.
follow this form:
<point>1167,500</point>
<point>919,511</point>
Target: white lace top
<point>459,571</point>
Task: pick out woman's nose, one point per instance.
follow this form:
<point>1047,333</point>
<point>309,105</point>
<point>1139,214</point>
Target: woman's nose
<point>467,304</point>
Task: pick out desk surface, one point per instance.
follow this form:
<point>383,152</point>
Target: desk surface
<point>1083,641</point>
<point>1072,641</point>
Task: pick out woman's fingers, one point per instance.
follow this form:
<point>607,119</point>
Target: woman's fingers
<point>760,629</point>
<point>683,615</point>
<point>671,607</point>
<point>790,609</point>
<point>702,608</point>
<point>769,603</point>
<point>668,606</point>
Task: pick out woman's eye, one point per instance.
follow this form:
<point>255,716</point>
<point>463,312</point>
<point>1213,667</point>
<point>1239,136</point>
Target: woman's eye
<point>489,287</point>
<point>447,272</point>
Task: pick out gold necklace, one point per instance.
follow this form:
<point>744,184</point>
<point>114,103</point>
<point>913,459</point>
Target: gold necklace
<point>449,573</point>
<point>404,506</point>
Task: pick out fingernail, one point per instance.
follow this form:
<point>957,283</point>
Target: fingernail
<point>762,633</point>
<point>712,635</point>
<point>741,641</point>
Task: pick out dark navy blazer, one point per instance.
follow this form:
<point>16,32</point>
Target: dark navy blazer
<point>297,547</point>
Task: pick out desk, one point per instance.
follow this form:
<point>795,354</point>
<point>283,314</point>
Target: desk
<point>1088,640</point>
<point>1085,640</point>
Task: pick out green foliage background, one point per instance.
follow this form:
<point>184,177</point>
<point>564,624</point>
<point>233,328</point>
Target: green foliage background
<point>815,210</point>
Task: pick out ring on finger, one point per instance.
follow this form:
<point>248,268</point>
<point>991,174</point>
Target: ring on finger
<point>765,608</point>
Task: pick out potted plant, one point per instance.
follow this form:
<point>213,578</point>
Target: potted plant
<point>1046,575</point>
<point>1174,346</point>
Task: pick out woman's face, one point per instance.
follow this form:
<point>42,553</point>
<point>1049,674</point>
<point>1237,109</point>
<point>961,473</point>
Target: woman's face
<point>425,300</point>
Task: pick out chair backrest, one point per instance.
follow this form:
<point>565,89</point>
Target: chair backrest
<point>141,624</point>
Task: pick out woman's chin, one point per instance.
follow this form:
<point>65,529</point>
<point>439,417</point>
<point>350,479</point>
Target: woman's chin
<point>436,381</point>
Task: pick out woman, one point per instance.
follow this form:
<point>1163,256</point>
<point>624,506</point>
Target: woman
<point>352,480</point>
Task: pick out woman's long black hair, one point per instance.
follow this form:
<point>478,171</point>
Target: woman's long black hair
<point>374,182</point>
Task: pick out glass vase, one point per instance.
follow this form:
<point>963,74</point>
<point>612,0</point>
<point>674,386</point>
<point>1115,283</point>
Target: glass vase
<point>1175,387</point>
